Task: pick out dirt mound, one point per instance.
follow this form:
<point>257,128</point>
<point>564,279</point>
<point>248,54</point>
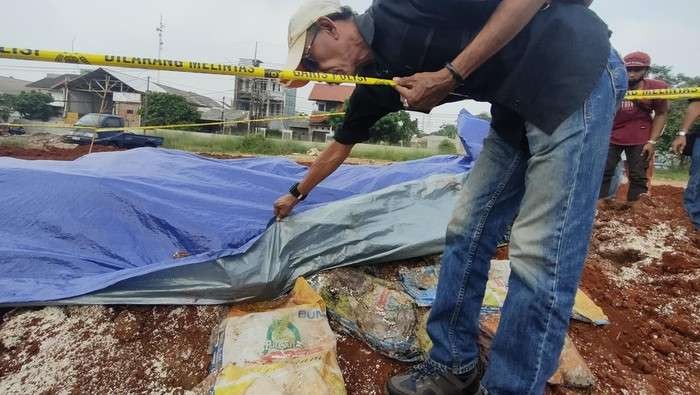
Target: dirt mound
<point>52,153</point>
<point>644,271</point>
<point>98,349</point>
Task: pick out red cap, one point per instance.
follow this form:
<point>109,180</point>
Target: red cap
<point>637,59</point>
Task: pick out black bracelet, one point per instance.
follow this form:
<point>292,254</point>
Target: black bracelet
<point>455,74</point>
<point>294,191</point>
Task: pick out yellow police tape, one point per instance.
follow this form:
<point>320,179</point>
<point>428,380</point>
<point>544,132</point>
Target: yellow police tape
<point>257,72</point>
<point>664,94</point>
<point>182,65</point>
<point>189,125</point>
<point>238,122</point>
<point>48,125</point>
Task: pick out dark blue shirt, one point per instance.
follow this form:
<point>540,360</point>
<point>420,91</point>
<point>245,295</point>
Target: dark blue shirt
<point>542,76</point>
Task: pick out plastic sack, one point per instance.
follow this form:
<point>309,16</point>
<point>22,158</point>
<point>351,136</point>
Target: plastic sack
<point>279,347</point>
<point>572,370</point>
<point>497,287</point>
<point>372,310</point>
<point>421,284</point>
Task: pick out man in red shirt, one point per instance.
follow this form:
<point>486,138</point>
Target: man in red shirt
<point>636,127</point>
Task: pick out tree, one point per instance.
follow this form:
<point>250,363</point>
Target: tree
<point>678,107</point>
<point>447,130</point>
<point>447,147</point>
<point>334,121</point>
<point>665,73</point>
<point>5,106</point>
<point>33,105</point>
<point>167,109</point>
<point>394,128</point>
<point>484,115</point>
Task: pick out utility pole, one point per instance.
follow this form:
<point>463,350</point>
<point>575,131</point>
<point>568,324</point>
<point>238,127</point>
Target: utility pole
<point>104,95</point>
<point>223,107</point>
<point>256,99</point>
<point>145,102</point>
<point>160,29</point>
<point>254,105</point>
<point>65,97</point>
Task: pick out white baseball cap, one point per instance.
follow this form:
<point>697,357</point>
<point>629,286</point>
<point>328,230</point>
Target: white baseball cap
<point>307,14</point>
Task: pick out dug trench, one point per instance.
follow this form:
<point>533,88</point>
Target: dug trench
<point>642,269</point>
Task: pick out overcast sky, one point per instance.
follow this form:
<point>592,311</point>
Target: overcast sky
<point>223,31</point>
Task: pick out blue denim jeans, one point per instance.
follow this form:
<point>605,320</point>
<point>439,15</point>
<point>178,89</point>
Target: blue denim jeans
<point>691,199</point>
<point>551,194</point>
<point>616,180</point>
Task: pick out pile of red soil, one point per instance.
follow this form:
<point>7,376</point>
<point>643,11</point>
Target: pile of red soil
<point>53,153</point>
<point>650,290</point>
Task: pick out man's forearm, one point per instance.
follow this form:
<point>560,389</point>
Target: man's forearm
<point>691,114</point>
<point>507,21</point>
<point>329,160</point>
<point>657,125</point>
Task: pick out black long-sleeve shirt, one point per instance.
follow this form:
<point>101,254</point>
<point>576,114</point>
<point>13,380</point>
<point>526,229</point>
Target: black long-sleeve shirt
<point>542,76</point>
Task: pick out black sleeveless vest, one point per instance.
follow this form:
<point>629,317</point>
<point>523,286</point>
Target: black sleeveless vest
<point>542,76</point>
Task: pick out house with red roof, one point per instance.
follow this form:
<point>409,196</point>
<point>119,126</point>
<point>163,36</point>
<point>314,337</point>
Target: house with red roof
<point>328,98</point>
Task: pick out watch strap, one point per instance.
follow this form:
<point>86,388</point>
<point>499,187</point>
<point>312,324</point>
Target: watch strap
<point>455,74</point>
<point>294,191</point>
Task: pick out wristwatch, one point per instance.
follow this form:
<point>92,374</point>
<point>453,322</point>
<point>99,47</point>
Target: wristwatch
<point>294,191</point>
<point>682,132</point>
<point>652,142</point>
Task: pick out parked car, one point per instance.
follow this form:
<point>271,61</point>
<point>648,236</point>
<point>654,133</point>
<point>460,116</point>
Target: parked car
<point>11,130</point>
<point>120,138</point>
<point>17,130</point>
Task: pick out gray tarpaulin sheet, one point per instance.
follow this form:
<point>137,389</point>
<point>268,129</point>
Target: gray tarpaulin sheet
<point>401,221</point>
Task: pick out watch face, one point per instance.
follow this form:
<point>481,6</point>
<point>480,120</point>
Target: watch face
<point>295,192</point>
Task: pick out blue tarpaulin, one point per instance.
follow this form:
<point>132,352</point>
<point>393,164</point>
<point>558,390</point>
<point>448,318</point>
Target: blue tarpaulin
<point>472,131</point>
<point>72,228</point>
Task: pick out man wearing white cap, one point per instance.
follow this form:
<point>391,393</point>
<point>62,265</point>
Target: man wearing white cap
<point>554,83</point>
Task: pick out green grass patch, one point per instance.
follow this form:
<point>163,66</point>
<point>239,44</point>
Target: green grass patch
<point>13,142</point>
<point>673,174</point>
<point>258,145</point>
<point>390,153</point>
<point>205,142</point>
